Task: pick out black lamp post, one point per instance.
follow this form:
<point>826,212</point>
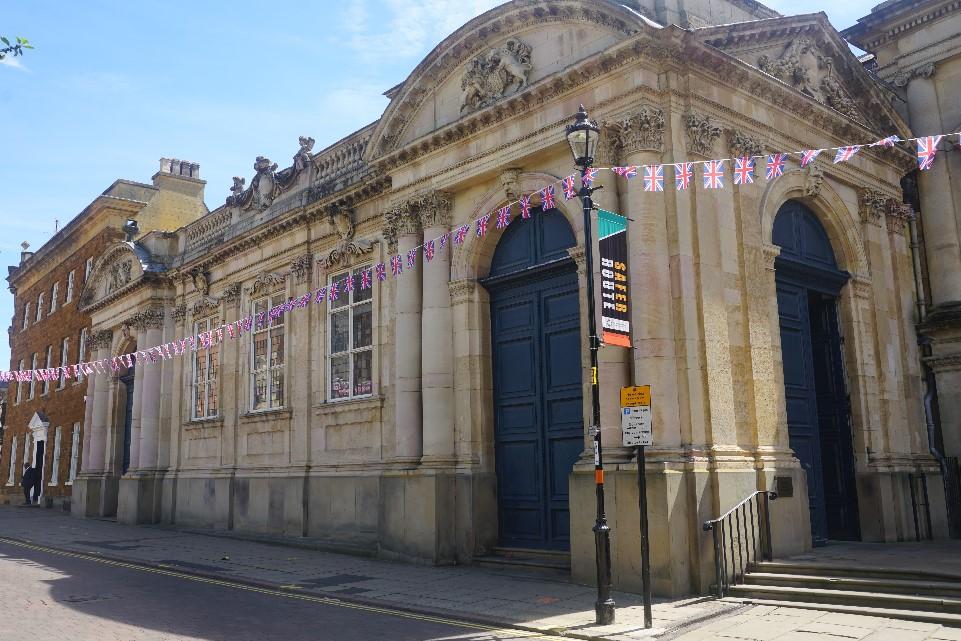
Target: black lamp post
<point>583,136</point>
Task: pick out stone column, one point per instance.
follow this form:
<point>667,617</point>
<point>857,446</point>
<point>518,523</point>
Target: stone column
<point>100,344</point>
<point>87,422</point>
<point>437,360</point>
<point>408,446</point>
<point>138,373</point>
<point>148,387</point>
<point>941,234</point>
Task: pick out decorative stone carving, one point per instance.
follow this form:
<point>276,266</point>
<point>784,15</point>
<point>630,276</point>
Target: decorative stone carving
<point>119,275</point>
<point>303,156</point>
<point>148,319</point>
<point>902,78</point>
<point>102,339</point>
<point>201,281</point>
<point>434,209</point>
<point>180,312</point>
<point>302,267</point>
<point>741,145</point>
<point>268,183</point>
<point>861,286</point>
<point>701,134</point>
<point>642,130</point>
<point>231,294</point>
<point>342,220</point>
<point>803,67</point>
<point>401,220</point>
<point>771,252</point>
<point>206,305</point>
<point>267,282</point>
<point>496,74</point>
<point>509,181</point>
<point>871,205</point>
<point>813,177</point>
<point>897,215</point>
<point>461,290</point>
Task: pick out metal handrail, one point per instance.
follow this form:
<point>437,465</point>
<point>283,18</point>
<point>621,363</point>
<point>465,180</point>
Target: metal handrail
<point>732,551</point>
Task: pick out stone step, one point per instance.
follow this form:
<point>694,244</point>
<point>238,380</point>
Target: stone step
<point>859,584</point>
<point>546,561</point>
<point>941,618</point>
<point>820,569</point>
<point>848,597</point>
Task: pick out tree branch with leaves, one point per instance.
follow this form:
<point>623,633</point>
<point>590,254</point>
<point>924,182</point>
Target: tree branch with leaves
<point>15,48</point>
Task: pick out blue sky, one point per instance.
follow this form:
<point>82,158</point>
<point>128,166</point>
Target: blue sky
<point>113,86</point>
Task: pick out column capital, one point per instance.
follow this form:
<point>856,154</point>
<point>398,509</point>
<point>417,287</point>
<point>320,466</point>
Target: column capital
<point>702,133</point>
<point>861,286</point>
<point>771,252</point>
<point>640,130</point>
<point>461,290</point>
<point>434,209</point>
<point>947,363</point>
<point>179,312</point>
<point>897,216</point>
<point>741,144</point>
<point>872,204</point>
<point>148,319</point>
<point>101,339</point>
<point>904,77</point>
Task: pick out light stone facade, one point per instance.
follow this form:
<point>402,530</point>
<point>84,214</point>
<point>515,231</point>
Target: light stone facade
<point>409,471</point>
<point>916,51</point>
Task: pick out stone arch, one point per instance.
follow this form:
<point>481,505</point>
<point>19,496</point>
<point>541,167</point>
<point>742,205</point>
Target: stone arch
<point>472,260</point>
<point>807,186</point>
<point>102,283</point>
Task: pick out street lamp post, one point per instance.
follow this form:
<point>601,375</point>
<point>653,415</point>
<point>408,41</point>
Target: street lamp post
<point>583,136</point>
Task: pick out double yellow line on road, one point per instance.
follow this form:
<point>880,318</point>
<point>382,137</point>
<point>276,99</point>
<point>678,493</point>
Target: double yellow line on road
<point>331,601</point>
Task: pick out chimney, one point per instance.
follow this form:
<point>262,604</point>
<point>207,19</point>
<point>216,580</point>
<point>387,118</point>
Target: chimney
<point>178,167</point>
<point>25,255</point>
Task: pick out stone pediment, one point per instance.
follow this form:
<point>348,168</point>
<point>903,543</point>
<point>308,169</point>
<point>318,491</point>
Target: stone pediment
<point>120,268</point>
<point>808,55</point>
<point>494,57</point>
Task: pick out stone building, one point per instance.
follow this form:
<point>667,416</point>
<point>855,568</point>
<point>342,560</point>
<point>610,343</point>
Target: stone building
<point>440,415</point>
<point>50,331</point>
<point>915,51</point>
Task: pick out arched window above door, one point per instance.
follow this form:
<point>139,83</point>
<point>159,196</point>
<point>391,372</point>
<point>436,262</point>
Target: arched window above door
<point>543,238</point>
<point>806,248</point>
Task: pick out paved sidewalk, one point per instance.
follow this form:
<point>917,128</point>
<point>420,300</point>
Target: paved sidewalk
<point>497,597</point>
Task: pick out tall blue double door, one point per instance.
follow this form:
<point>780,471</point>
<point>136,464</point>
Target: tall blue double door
<point>538,404</point>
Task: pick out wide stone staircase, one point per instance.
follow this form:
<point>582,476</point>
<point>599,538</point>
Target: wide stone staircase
<point>898,593</point>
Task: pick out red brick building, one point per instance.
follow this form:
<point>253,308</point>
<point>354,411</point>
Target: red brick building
<point>44,419</point>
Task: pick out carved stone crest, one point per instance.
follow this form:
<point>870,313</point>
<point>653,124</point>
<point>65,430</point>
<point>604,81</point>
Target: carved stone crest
<point>267,281</point>
<point>342,220</point>
<point>201,281</point>
<point>642,130</point>
<point>496,74</point>
<point>701,134</point>
<point>802,66</point>
<point>119,275</point>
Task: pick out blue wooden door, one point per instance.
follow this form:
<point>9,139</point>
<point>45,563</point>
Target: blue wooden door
<point>538,410</point>
<point>818,414</point>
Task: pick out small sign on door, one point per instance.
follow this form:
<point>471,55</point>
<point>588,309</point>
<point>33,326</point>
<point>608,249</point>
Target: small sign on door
<point>636,424</point>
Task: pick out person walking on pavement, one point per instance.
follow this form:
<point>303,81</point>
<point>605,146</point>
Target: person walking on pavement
<point>28,481</point>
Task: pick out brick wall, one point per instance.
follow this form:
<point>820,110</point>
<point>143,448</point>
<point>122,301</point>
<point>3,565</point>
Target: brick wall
<point>64,407</point>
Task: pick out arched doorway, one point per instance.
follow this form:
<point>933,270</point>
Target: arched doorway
<point>818,411</point>
<point>538,407</point>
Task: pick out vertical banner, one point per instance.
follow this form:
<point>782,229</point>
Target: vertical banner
<point>615,295</point>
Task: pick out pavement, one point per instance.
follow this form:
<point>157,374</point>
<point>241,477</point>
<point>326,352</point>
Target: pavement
<point>502,603</point>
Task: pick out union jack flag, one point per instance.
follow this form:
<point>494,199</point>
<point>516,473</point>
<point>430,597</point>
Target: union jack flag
<point>927,148</point>
<point>429,250</point>
<point>654,178</point>
<point>381,270</point>
<point>744,170</point>
<point>775,166</point>
<point>482,226</point>
<point>625,172</point>
<point>461,234</point>
<point>846,153</point>
<point>349,283</point>
<point>683,174</point>
<point>411,258</point>
<point>713,174</point>
<point>396,265</point>
<point>443,240</point>
<point>808,156</point>
<point>321,295</point>
<point>588,176</point>
<point>887,142</point>
<point>547,198</point>
<point>503,217</point>
<point>332,292</point>
<point>569,190</point>
<point>365,279</point>
<point>525,206</point>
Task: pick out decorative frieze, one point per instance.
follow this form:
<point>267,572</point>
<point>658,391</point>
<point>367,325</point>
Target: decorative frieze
<point>642,130</point>
<point>701,134</point>
<point>741,145</point>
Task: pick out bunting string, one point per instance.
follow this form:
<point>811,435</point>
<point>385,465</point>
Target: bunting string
<point>712,172</point>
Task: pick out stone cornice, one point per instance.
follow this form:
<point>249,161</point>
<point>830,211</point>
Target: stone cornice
<point>892,22</point>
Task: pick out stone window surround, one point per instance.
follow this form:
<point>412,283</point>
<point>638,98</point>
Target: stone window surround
<point>39,316</point>
<point>81,356</point>
<point>19,397</point>
<point>55,459</point>
<point>64,359</point>
<point>49,365</point>
<point>11,473</point>
<point>68,297</point>
<point>54,295</point>
<point>270,297</point>
<point>350,351</point>
<point>74,454</point>
<point>33,380</point>
<point>26,317</point>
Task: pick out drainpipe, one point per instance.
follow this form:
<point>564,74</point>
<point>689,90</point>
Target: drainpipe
<point>932,411</point>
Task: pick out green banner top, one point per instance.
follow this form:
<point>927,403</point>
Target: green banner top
<point>609,223</point>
